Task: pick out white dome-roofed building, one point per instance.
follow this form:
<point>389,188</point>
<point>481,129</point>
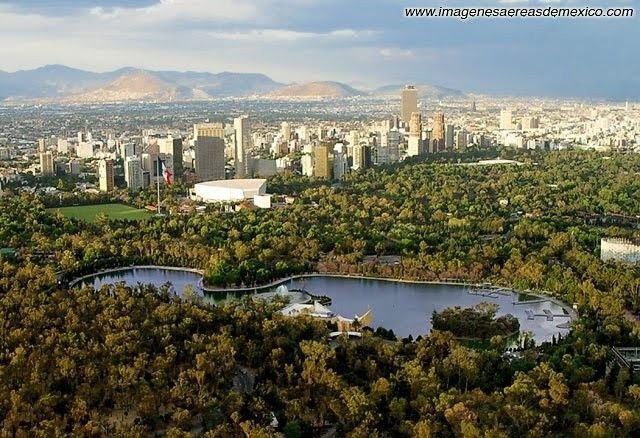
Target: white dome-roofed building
<point>229,190</point>
<point>620,249</point>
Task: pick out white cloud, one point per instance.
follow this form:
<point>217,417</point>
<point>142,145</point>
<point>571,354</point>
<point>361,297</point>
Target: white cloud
<point>180,10</point>
<point>274,35</point>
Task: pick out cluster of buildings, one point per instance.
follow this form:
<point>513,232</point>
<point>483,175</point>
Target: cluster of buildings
<point>244,148</point>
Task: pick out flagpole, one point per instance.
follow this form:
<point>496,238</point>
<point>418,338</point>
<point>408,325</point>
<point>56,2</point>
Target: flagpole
<point>158,180</point>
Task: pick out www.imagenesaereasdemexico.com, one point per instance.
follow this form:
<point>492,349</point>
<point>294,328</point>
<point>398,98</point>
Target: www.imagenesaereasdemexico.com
<point>465,13</point>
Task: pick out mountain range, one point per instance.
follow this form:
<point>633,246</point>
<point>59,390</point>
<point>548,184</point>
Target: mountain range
<point>59,83</point>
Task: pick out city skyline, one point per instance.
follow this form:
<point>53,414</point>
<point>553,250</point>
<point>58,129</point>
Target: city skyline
<point>365,47</point>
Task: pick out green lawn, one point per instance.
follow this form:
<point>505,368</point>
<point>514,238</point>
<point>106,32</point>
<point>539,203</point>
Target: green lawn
<point>88,213</point>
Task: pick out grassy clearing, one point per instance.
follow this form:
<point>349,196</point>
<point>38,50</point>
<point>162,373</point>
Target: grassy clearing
<point>89,213</point>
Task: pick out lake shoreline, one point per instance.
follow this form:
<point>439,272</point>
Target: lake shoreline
<point>212,290</point>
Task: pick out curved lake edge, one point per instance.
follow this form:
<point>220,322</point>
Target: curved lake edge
<point>539,294</point>
<point>108,271</point>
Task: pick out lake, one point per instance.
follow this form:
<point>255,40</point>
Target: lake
<point>405,308</point>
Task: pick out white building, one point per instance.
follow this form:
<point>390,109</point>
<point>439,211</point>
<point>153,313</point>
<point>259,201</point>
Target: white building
<point>85,150</point>
<point>231,190</point>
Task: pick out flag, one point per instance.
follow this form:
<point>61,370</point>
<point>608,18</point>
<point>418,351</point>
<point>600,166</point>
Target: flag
<point>166,173</point>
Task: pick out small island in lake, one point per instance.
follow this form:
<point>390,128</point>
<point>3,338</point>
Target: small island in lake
<point>478,322</point>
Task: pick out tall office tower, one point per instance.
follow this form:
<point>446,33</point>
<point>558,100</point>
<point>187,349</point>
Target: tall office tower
<point>409,102</point>
<point>81,137</point>
<point>438,131</point>
<point>322,133</point>
<point>322,166</point>
<point>449,137</point>
<point>171,148</point>
<point>42,146</point>
<point>133,173</point>
<point>506,121</point>
<point>415,135</point>
<point>461,140</point>
<point>362,157</point>
<point>242,131</point>
<point>340,161</point>
<point>127,149</point>
<point>209,129</point>
<point>530,123</point>
<point>382,150</point>
<point>473,106</point>
<point>46,163</point>
<point>105,175</point>
<point>353,139</point>
<point>209,151</point>
<point>394,146</point>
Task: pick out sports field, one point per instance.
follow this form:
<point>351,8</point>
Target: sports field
<point>88,213</point>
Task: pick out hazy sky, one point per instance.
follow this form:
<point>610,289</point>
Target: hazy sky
<point>363,42</point>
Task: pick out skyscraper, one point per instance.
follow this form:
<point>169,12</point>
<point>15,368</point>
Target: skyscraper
<point>133,173</point>
<point>340,161</point>
<point>438,133</point>
<point>361,157</point>
<point>46,163</point>
<point>42,145</point>
<point>506,121</point>
<point>449,137</point>
<point>171,149</point>
<point>322,166</point>
<point>105,175</point>
<point>415,135</point>
<point>209,151</point>
<point>242,130</point>
<point>409,102</point>
<point>285,130</point>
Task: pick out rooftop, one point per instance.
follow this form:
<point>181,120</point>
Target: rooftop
<point>245,184</point>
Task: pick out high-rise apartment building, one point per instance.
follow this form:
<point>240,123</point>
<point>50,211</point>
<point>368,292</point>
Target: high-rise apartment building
<point>438,131</point>
<point>105,175</point>
<point>409,102</point>
<point>46,163</point>
<point>322,166</point>
<point>242,131</point>
<point>209,151</point>
<point>133,173</point>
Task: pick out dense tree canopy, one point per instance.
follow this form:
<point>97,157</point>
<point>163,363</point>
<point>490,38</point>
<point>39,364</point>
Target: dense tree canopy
<point>130,362</point>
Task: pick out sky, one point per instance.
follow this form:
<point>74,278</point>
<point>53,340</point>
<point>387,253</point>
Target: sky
<point>365,43</point>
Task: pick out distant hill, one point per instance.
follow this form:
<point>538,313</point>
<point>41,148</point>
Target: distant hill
<point>140,86</point>
<point>317,89</point>
<point>61,83</point>
<point>424,91</point>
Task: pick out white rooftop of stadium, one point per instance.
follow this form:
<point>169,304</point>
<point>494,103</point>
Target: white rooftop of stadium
<point>229,190</point>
